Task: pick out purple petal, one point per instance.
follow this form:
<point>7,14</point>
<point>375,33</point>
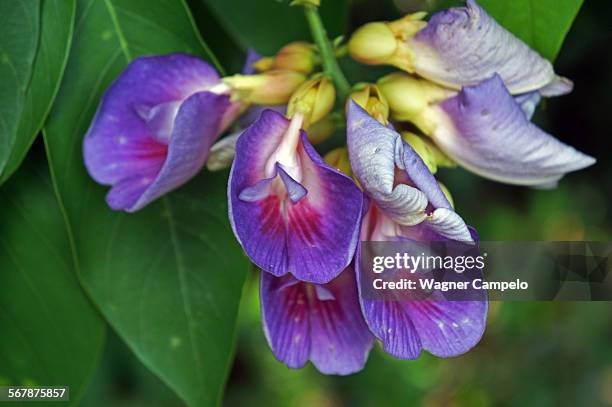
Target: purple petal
<point>295,190</point>
<point>313,238</point>
<point>441,224</point>
<point>443,328</point>
<point>464,46</point>
<point>375,153</point>
<point>559,86</point>
<point>529,102</point>
<point>195,129</point>
<point>127,143</point>
<point>252,57</point>
<point>486,131</point>
<point>322,324</point>
<point>447,328</point>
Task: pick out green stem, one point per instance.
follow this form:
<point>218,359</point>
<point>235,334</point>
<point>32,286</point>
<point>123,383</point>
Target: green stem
<point>328,58</point>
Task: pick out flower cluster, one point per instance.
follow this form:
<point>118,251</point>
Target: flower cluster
<point>467,87</point>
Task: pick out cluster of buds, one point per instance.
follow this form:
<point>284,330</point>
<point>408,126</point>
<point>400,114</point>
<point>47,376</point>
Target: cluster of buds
<point>464,96</point>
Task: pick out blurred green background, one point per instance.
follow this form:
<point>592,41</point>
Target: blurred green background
<point>544,354</point>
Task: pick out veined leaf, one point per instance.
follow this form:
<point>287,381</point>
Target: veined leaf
<point>51,334</point>
<point>168,278</point>
<point>54,33</point>
<point>19,32</point>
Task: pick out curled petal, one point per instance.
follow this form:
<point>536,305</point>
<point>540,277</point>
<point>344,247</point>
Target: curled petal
<point>529,102</point>
<point>312,232</point>
<point>463,46</point>
<point>559,86</point>
<point>486,131</point>
<point>320,323</point>
<point>375,153</point>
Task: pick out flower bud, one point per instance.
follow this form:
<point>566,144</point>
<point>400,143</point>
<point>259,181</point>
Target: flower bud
<point>296,56</point>
<point>339,159</point>
<point>222,153</point>
<point>314,99</point>
<point>269,88</point>
<point>263,64</point>
<point>323,129</point>
<point>372,101</point>
<point>408,97</point>
<point>386,42</point>
<point>429,153</point>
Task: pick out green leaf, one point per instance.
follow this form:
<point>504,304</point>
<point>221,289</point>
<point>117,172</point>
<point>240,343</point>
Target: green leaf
<point>267,25</point>
<point>168,278</point>
<point>19,32</point>
<point>56,25</point>
<point>543,24</point>
<point>51,334</point>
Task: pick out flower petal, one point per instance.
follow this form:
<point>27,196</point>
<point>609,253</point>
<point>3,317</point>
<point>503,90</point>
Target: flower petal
<point>463,46</point>
<point>285,318</point>
<point>375,151</point>
<point>486,131</point>
<point>529,102</point>
<point>441,224</point>
<point>121,146</point>
<point>314,238</point>
<point>303,321</point>
<point>447,328</point>
<point>252,57</point>
<point>195,129</point>
<point>443,328</point>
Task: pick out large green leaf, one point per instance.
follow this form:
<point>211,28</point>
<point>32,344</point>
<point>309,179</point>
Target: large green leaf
<point>267,25</point>
<point>56,25</point>
<point>19,32</point>
<point>168,278</point>
<point>543,24</point>
<point>50,333</point>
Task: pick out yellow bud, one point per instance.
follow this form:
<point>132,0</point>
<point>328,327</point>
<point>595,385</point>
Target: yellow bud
<point>263,64</point>
<point>269,88</point>
<point>323,129</point>
<point>372,101</point>
<point>296,56</point>
<point>314,99</point>
<point>408,97</point>
<point>429,153</point>
<point>373,44</point>
<point>387,43</point>
<point>339,159</point>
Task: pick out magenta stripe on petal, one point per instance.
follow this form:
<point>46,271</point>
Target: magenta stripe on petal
<point>307,227</point>
<point>320,323</point>
<point>153,128</point>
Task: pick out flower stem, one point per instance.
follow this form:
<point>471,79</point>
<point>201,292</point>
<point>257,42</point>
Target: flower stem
<point>328,58</point>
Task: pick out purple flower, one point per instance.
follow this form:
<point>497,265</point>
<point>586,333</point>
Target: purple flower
<point>464,46</point>
<point>485,130</point>
<point>320,323</point>
<point>154,128</point>
<point>408,204</point>
<point>290,211</point>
